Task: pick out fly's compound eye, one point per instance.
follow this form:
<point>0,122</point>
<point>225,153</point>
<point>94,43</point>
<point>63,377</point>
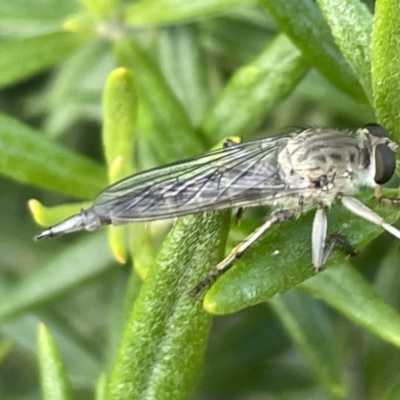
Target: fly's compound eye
<point>376,130</point>
<point>385,163</point>
<point>385,159</point>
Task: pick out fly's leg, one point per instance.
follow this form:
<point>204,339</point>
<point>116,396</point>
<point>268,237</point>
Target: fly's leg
<point>319,254</point>
<point>237,252</point>
<point>356,207</point>
<point>239,215</point>
<point>337,239</point>
<point>318,237</point>
<point>387,201</point>
<point>320,248</point>
<point>228,143</point>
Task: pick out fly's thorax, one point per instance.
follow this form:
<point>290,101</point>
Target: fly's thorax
<point>323,155</point>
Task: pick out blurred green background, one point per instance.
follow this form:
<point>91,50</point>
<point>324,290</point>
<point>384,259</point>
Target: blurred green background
<point>194,73</point>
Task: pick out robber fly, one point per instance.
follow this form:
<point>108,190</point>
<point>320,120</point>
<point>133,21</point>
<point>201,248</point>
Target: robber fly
<point>291,173</point>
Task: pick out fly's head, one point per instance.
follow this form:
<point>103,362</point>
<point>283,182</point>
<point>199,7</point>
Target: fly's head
<point>381,152</point>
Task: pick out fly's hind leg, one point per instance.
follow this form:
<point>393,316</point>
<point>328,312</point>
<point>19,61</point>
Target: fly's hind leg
<point>275,218</point>
<point>337,239</point>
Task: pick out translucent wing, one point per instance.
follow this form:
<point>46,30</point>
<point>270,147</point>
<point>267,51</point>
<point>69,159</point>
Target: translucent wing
<point>246,174</point>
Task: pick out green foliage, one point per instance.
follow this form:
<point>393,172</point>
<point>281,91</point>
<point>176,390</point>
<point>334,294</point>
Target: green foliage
<point>168,79</point>
<point>54,380</point>
<point>384,67</point>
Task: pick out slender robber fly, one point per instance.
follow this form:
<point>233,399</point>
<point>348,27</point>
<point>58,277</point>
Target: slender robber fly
<point>292,173</point>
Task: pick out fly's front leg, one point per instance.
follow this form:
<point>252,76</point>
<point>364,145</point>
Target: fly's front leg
<point>237,252</point>
<point>387,201</point>
<point>360,209</point>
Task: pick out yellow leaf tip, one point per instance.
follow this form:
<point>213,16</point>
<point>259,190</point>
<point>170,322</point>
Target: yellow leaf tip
<point>120,256</point>
<point>36,209</point>
<point>120,71</point>
<point>116,240</point>
<point>210,306</point>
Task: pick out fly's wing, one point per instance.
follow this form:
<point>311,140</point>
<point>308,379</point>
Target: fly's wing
<point>240,175</point>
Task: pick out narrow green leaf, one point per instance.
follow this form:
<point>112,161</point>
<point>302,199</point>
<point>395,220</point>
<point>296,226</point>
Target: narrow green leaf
<point>379,355</point>
<point>347,291</point>
<point>165,335</point>
<point>184,67</point>
<point>101,388</point>
<point>146,157</point>
<point>83,367</point>
<point>281,258</point>
<point>80,263</point>
<point>75,89</point>
<point>351,25</point>
<point>238,36</point>
<point>394,393</point>
<point>386,64</point>
<point>30,157</point>
<point>104,8</point>
<point>119,120</point>
<point>43,10</point>
<point>309,326</point>
<point>86,24</point>
<point>22,58</point>
<point>141,247</point>
<point>55,385</point>
<point>149,11</point>
<point>318,90</point>
<point>255,89</point>
<point>124,295</point>
<point>302,21</point>
<point>174,136</point>
<point>5,349</point>
<point>243,356</point>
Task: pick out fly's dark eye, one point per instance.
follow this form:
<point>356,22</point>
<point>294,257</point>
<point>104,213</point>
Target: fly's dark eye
<point>385,159</point>
<point>385,163</point>
<point>376,130</point>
